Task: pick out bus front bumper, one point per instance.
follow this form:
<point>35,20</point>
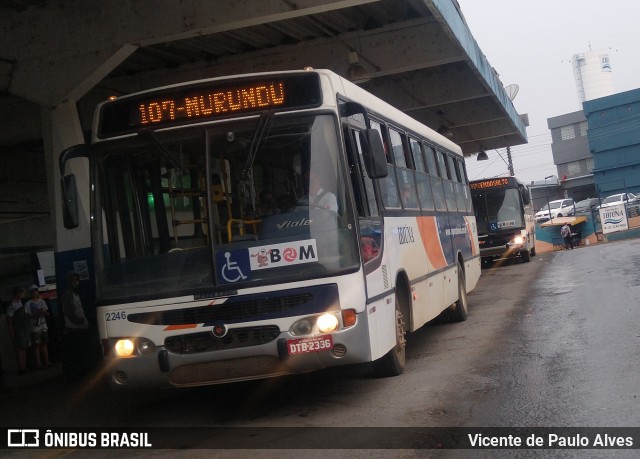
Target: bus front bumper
<point>503,251</point>
<point>164,369</point>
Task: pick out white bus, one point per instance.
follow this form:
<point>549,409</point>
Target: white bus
<point>268,224</point>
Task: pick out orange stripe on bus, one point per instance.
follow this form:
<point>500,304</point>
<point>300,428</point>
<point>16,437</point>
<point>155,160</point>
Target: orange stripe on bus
<point>431,241</point>
<point>180,327</point>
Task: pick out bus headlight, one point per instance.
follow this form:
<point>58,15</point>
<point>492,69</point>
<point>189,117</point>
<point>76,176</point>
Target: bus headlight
<point>324,323</point>
<point>124,348</point>
<point>518,240</point>
<point>302,327</point>
<point>327,323</point>
<point>131,347</point>
<point>145,346</point>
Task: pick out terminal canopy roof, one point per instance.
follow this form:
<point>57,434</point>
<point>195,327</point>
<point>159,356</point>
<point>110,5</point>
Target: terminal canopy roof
<point>418,55</point>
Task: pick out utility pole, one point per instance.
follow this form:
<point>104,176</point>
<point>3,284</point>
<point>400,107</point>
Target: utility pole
<point>510,162</point>
<point>546,191</point>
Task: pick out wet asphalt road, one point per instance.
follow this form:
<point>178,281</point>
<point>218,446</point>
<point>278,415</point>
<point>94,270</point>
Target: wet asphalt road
<point>554,342</point>
<point>574,356</point>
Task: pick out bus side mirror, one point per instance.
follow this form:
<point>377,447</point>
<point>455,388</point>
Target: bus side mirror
<point>525,196</point>
<point>375,159</point>
<point>69,187</point>
<point>70,202</point>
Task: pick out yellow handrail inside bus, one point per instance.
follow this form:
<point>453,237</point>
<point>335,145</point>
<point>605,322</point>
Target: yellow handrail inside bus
<point>241,226</point>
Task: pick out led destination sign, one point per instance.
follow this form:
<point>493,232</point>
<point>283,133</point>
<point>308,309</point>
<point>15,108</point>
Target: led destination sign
<point>489,183</point>
<point>203,101</point>
<point>212,103</point>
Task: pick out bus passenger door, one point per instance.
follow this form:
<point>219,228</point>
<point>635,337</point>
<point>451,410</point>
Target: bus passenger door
<point>366,205</point>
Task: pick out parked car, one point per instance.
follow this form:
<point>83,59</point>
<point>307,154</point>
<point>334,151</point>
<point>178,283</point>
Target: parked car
<point>620,198</point>
<point>559,208</point>
<point>587,205</point>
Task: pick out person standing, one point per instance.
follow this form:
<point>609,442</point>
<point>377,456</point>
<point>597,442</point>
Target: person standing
<point>38,310</point>
<point>18,320</point>
<point>77,357</point>
<point>565,232</point>
<point>74,318</point>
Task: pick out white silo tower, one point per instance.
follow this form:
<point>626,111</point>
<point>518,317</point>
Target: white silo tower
<point>593,75</point>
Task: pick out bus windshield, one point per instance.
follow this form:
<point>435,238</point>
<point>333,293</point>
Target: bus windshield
<point>235,203</point>
<point>498,209</point>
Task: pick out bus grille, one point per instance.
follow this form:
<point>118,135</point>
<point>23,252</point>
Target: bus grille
<point>495,240</point>
<point>236,338</point>
<point>228,312</point>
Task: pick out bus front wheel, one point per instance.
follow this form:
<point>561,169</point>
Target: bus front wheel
<point>393,362</point>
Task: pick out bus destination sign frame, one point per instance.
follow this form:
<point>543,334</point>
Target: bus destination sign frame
<point>217,99</point>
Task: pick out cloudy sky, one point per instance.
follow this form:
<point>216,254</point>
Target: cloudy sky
<point>531,43</point>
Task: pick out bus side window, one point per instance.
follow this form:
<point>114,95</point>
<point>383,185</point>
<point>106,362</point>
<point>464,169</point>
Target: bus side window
<point>369,190</point>
<point>432,169</point>
<point>442,165</point>
<point>363,189</point>
<point>388,185</point>
<point>447,183</point>
<point>458,186</point>
<point>465,182</point>
<point>455,174</point>
<point>354,173</point>
<point>406,180</point>
<point>463,172</point>
<point>378,127</point>
<point>423,183</point>
<point>436,181</point>
<point>397,147</point>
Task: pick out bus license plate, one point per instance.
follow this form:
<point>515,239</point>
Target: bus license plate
<point>306,345</point>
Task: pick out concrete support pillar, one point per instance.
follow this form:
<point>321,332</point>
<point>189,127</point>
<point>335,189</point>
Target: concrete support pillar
<point>61,130</point>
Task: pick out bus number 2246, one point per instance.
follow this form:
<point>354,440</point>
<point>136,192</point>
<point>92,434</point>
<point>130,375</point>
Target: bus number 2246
<point>119,315</point>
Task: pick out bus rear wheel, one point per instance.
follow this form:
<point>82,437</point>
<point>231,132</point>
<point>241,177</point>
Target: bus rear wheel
<point>460,308</point>
<point>393,362</point>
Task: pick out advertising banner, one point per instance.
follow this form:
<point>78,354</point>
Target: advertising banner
<point>614,218</point>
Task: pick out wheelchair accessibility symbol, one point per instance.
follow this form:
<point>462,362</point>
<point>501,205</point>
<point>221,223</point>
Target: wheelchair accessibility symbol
<point>233,266</point>
<point>231,272</point>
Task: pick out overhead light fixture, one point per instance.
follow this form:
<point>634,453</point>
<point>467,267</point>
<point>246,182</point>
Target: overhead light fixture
<point>445,131</point>
<point>356,73</point>
<point>482,156</point>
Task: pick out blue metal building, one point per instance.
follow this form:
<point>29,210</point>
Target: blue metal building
<point>614,141</point>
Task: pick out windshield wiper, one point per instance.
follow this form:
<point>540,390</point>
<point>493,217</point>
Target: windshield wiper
<point>257,142</point>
